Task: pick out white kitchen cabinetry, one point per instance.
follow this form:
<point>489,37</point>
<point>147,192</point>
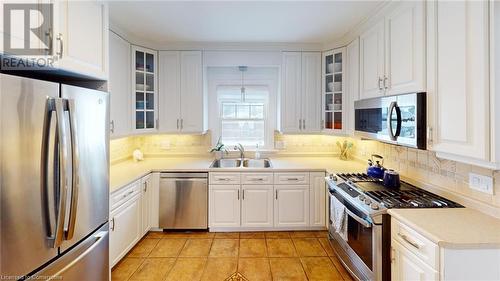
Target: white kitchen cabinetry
<point>146,203</point>
<point>407,266</point>
<point>392,53</point>
<point>224,205</point>
<point>125,221</point>
<point>257,205</point>
<point>416,257</point>
<point>80,37</point>
<point>181,92</point>
<point>119,89</point>
<point>371,62</point>
<point>458,74</point>
<point>352,84</point>
<point>301,92</point>
<point>334,89</point>
<point>291,207</point>
<point>145,89</point>
<point>317,196</point>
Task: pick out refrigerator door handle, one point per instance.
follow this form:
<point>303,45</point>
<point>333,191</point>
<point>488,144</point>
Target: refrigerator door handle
<point>75,171</point>
<point>44,168</point>
<point>57,238</point>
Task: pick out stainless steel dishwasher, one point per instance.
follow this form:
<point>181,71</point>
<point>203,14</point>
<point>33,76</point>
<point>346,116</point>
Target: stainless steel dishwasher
<point>183,201</point>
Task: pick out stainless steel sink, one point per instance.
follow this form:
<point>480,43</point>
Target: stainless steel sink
<point>226,163</point>
<point>237,163</point>
<point>257,163</point>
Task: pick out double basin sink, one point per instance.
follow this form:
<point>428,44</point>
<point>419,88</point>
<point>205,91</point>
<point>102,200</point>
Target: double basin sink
<point>241,163</point>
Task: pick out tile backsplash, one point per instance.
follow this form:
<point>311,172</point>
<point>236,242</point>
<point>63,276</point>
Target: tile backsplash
<point>423,166</point>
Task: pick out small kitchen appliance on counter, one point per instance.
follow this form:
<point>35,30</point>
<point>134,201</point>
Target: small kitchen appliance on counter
<point>362,240</point>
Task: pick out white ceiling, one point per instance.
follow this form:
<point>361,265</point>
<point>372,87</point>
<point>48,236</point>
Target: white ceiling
<point>239,21</point>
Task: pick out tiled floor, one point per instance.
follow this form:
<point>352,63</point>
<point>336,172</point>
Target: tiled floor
<point>301,255</point>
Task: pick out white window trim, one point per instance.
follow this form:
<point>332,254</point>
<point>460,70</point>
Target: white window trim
<point>213,107</point>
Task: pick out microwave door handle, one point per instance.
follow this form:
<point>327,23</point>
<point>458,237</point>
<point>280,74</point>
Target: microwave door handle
<point>399,121</point>
<point>392,106</point>
<point>61,146</point>
<point>75,171</point>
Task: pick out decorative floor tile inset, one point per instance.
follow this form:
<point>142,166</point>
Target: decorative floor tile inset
<point>236,277</point>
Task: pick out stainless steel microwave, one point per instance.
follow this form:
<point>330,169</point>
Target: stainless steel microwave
<point>399,119</point>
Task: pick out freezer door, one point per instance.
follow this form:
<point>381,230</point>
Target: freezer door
<point>86,262</point>
<point>28,208</point>
<point>88,206</point>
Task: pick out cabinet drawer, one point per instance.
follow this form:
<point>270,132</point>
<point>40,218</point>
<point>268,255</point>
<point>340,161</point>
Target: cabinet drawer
<point>417,244</point>
<point>291,178</point>
<point>256,178</point>
<point>225,178</point>
<point>121,196</point>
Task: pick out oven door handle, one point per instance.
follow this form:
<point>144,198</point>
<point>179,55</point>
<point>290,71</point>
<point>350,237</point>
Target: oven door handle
<point>358,219</point>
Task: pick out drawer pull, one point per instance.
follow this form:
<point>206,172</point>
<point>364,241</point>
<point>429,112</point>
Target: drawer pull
<point>257,179</point>
<point>223,179</point>
<point>405,238</point>
<point>292,179</point>
<point>128,193</point>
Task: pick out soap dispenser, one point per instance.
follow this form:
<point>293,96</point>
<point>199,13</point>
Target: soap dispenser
<point>257,152</point>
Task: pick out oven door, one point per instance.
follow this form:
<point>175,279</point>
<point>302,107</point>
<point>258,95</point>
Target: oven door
<point>360,248</point>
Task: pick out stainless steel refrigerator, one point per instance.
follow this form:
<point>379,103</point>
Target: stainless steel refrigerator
<point>54,180</point>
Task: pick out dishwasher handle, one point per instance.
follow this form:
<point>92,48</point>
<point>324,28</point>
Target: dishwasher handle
<point>184,179</point>
<point>184,175</point>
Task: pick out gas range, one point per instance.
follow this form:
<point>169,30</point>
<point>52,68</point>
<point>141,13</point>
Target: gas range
<point>370,191</point>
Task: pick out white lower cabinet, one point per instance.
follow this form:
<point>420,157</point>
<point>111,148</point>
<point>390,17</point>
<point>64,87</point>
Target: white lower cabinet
<point>257,206</point>
<point>125,228</point>
<point>224,205</point>
<point>407,266</point>
<point>317,199</point>
<point>291,207</point>
<point>281,200</point>
<point>130,217</point>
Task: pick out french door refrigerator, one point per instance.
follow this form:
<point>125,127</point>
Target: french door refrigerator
<point>54,180</point>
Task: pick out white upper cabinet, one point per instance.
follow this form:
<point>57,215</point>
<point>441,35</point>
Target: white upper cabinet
<point>392,53</point>
<point>458,80</point>
<point>334,91</point>
<point>181,92</point>
<point>145,89</point>
<point>119,89</point>
<point>352,83</point>
<point>291,92</point>
<point>80,37</point>
<point>311,91</point>
<point>371,49</point>
<point>301,92</point>
<point>405,52</point>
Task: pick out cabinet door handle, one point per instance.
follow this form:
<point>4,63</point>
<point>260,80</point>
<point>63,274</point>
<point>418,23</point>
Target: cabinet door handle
<point>238,194</point>
<point>243,195</point>
<point>112,126</point>
<point>380,83</point>
<point>429,135</point>
<point>406,239</point>
<point>177,123</point>
<point>61,45</point>
<point>113,224</point>
<point>303,124</point>
<point>300,124</point>
<point>276,194</point>
<point>182,123</point>
<point>386,82</point>
<point>145,186</point>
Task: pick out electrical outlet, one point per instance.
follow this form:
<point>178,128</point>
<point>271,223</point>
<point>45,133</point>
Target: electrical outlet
<point>481,183</point>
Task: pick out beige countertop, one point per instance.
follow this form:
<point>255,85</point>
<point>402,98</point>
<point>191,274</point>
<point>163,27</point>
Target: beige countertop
<point>454,227</point>
<point>126,172</point>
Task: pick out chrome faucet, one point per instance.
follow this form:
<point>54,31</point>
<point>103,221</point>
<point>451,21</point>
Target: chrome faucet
<point>241,149</point>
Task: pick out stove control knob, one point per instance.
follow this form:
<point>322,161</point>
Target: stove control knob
<point>368,201</point>
<point>333,177</point>
<point>374,206</point>
<point>361,198</point>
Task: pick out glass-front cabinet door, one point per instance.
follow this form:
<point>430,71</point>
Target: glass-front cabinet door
<point>333,100</point>
<point>145,88</point>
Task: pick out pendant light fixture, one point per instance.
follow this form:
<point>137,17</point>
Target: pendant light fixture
<point>243,68</point>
